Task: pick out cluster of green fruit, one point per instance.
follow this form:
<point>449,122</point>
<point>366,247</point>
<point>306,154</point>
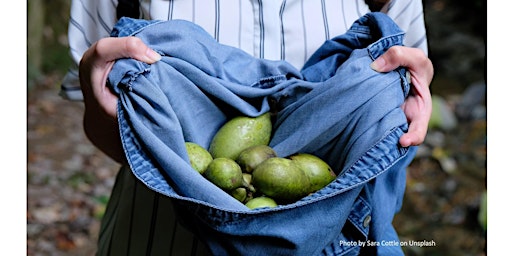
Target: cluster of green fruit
<point>240,162</point>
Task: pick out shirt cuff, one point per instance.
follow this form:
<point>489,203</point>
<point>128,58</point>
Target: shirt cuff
<point>70,87</point>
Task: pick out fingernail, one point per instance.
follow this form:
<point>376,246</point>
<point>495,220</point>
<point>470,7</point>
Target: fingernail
<point>378,64</point>
<point>152,55</point>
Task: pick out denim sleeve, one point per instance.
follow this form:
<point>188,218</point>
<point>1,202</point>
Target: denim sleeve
<point>347,114</point>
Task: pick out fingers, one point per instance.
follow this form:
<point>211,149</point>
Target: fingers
<point>417,106</point>
<point>416,133</point>
<point>413,59</point>
<point>97,62</point>
<point>400,56</point>
<point>417,111</point>
<point>100,122</point>
<point>110,49</point>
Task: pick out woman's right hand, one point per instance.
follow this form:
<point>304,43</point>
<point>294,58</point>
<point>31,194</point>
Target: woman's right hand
<point>100,117</point>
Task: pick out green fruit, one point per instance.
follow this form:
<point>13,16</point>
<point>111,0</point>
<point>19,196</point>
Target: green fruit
<point>253,156</point>
<point>225,173</point>
<point>247,179</point>
<point>280,179</point>
<point>247,182</point>
<point>319,172</point>
<point>240,133</point>
<point>260,202</point>
<point>199,157</point>
<point>239,194</point>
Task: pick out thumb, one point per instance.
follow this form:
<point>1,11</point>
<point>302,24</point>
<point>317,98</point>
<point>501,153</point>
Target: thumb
<point>380,64</point>
<point>112,48</point>
<point>393,58</point>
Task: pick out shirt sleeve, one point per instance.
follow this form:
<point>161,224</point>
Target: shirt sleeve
<point>408,15</point>
<point>89,21</point>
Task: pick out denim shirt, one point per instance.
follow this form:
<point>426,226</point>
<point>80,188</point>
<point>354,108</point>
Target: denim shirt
<point>335,107</point>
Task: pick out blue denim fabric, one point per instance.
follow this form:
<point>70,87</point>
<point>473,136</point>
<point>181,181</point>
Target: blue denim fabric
<point>336,107</point>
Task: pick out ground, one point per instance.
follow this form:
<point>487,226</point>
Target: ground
<point>68,180</point>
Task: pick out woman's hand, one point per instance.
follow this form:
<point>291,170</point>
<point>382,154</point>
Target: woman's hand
<point>100,117</point>
<point>418,105</point>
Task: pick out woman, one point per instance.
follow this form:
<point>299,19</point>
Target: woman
<point>139,221</point>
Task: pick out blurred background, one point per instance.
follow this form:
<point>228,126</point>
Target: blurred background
<point>69,181</point>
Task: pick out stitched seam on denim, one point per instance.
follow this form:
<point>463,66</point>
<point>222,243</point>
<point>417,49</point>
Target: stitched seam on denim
<point>132,26</point>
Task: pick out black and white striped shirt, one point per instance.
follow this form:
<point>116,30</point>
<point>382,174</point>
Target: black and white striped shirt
<point>139,221</point>
<point>288,30</point>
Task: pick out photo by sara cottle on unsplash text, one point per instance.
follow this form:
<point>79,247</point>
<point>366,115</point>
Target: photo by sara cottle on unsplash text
<point>410,243</point>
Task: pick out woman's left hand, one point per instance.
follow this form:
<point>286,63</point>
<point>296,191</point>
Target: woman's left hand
<point>418,105</point>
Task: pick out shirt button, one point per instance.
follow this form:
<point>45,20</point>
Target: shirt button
<point>366,221</point>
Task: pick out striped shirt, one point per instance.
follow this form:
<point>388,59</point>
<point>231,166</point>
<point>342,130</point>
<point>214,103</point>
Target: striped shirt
<point>139,221</point>
<point>288,30</point>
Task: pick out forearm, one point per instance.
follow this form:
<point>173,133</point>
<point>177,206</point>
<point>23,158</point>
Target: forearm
<point>106,138</point>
